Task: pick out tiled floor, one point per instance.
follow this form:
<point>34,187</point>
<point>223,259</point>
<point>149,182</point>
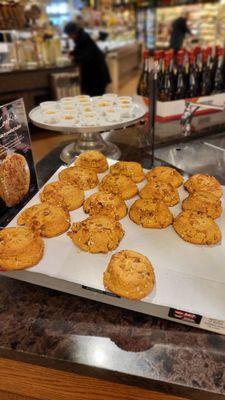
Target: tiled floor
<point>44,141</point>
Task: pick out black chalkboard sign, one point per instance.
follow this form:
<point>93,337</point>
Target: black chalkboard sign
<point>18,181</point>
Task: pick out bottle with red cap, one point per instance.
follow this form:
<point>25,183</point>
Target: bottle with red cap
<point>143,84</point>
<point>193,86</point>
<point>218,80</point>
<point>166,92</point>
<point>198,65</point>
<point>206,87</point>
<point>159,63</point>
<point>181,88</point>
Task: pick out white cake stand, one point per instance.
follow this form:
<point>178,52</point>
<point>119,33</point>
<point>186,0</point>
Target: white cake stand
<point>89,136</point>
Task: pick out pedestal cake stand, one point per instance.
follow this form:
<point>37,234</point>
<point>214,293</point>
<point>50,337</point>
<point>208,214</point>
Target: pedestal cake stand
<point>90,137</point>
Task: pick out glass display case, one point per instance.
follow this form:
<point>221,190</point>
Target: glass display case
<point>27,50</point>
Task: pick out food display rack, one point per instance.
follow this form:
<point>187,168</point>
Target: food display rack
<point>90,137</point>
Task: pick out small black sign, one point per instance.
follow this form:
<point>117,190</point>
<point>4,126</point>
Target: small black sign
<point>100,291</point>
<point>18,181</point>
<point>185,316</point>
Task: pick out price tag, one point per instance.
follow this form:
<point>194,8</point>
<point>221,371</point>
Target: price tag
<point>214,325</point>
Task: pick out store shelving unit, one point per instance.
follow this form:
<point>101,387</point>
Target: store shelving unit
<point>154,18</point>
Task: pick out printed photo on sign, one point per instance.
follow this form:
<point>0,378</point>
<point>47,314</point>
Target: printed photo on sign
<point>18,181</point>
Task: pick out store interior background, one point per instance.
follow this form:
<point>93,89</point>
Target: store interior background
<point>128,26</point>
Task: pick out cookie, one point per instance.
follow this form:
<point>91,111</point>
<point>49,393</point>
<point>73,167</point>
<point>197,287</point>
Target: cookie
<point>13,240</point>
<point>45,218</point>
<point>14,179</point>
<point>203,182</point>
<point>130,275</point>
<point>30,257</point>
<point>197,228</point>
<point>97,234</point>
<point>150,215</point>
<point>204,202</point>
<point>83,178</point>
<point>63,194</point>
<point>105,204</point>
<point>120,185</point>
<point>165,174</point>
<point>20,248</point>
<point>94,160</point>
<point>131,169</point>
<point>160,192</point>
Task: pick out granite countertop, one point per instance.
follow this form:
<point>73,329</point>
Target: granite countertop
<point>58,330</point>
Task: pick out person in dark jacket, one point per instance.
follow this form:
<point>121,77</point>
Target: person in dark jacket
<point>179,30</point>
<point>94,70</point>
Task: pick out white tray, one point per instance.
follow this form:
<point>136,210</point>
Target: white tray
<point>69,127</point>
<point>189,277</point>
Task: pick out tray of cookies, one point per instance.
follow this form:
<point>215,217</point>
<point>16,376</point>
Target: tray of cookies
<point>148,241</point>
<point>83,113</point>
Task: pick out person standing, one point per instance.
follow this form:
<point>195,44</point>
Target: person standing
<point>94,71</point>
<point>179,30</point>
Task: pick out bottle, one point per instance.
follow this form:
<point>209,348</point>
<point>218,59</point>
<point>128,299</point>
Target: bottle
<point>143,84</point>
<point>193,88</point>
<point>158,58</point>
<point>181,88</point>
<point>166,92</point>
<point>218,82</point>
<point>198,66</point>
<point>206,87</point>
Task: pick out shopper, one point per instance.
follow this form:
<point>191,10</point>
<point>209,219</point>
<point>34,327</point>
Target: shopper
<point>179,31</point>
<point>94,71</point>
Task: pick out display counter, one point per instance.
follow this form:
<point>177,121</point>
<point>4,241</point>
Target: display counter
<point>124,62</point>
<point>58,346</point>
<point>32,85</point>
<point>35,85</point>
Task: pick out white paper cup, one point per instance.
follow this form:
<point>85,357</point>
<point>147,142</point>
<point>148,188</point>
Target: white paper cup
<point>82,97</point>
<point>96,99</point>
<point>112,115</point>
<point>67,100</point>
<point>102,106</point>
<point>49,105</point>
<point>89,119</point>
<point>69,116</point>
<point>68,107</point>
<point>125,100</point>
<point>85,108</point>
<point>126,111</point>
<point>111,97</point>
<point>51,116</point>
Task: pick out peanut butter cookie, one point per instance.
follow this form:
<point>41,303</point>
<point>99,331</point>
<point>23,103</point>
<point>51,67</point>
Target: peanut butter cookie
<point>20,248</point>
<point>45,218</point>
<point>203,182</point>
<point>94,160</point>
<point>84,178</point>
<point>63,194</point>
<point>204,202</point>
<point>150,215</point>
<point>197,228</point>
<point>97,234</point>
<point>120,185</point>
<point>165,174</point>
<point>131,169</point>
<point>130,275</point>
<point>105,204</point>
<point>160,192</point>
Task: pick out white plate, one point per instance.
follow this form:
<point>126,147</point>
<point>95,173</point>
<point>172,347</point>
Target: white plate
<point>37,119</point>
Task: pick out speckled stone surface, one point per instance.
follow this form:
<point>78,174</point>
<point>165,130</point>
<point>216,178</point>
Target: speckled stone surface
<point>63,331</point>
<point>39,322</point>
